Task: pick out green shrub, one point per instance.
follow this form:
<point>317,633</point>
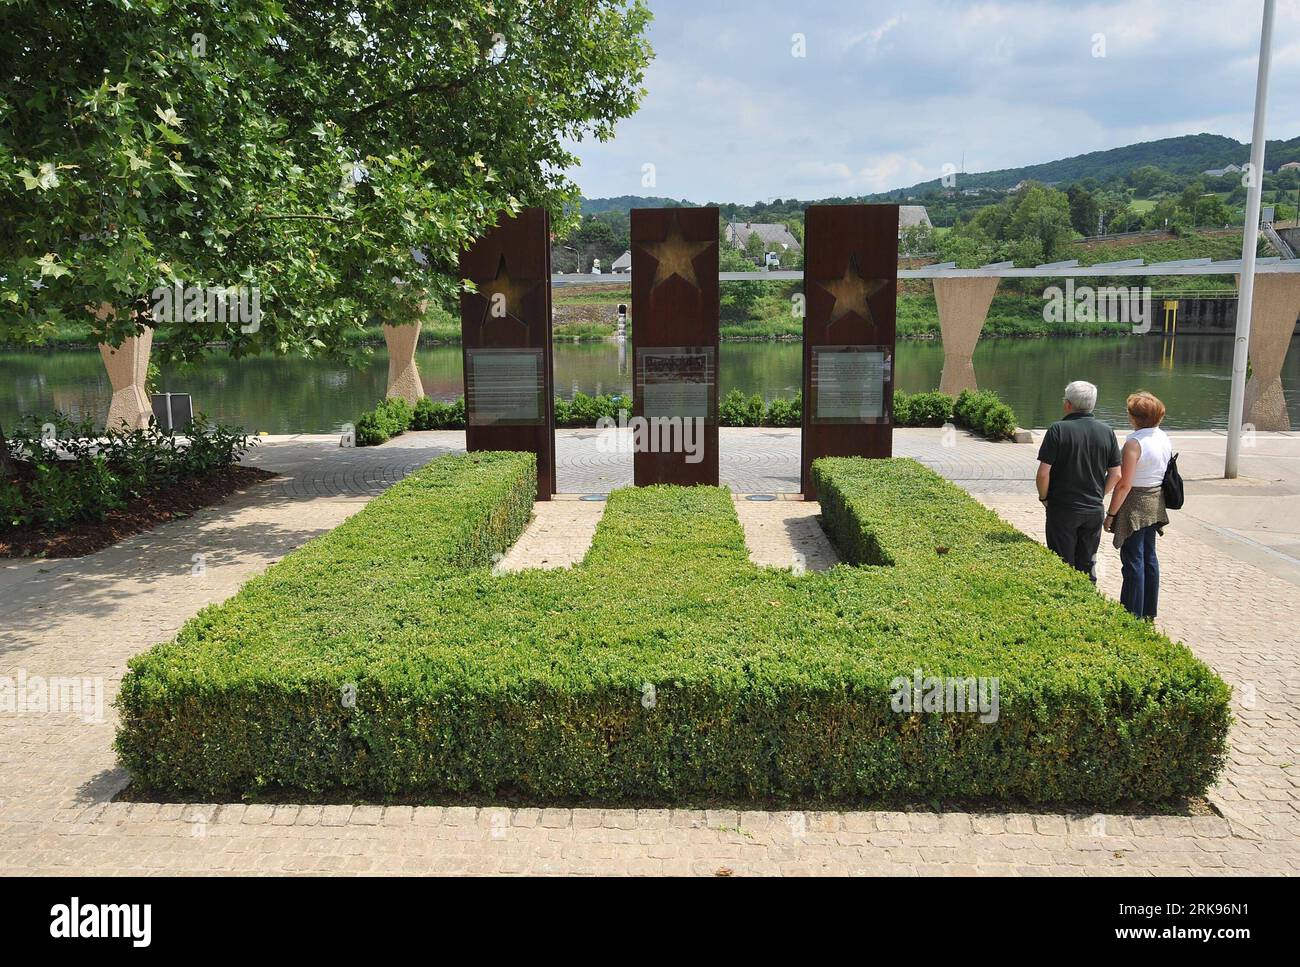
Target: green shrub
<point>737,409</point>
<point>389,419</point>
<point>731,410</point>
<point>705,678</point>
<point>15,509</point>
<point>922,409</point>
<point>985,413</point>
<point>70,472</point>
<point>782,412</point>
<point>436,415</point>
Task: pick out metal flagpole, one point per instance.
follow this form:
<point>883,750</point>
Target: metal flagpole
<point>1249,240</point>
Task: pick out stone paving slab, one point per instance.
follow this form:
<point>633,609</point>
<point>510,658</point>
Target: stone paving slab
<point>87,617</point>
<point>786,534</point>
<point>559,535</point>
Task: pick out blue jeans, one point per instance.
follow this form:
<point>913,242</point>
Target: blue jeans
<point>1141,569</point>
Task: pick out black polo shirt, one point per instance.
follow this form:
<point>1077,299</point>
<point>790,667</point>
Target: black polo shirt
<point>1080,449</point>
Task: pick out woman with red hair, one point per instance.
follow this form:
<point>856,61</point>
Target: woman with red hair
<point>1137,505</point>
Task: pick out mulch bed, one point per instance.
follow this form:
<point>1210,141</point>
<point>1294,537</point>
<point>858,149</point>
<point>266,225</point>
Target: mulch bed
<point>139,515</point>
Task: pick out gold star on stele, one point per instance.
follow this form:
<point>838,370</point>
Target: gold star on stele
<point>675,255</point>
<point>505,295</point>
<point>851,293</point>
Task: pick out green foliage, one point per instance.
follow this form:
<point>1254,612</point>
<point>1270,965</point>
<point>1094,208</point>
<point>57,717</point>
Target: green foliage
<point>584,410</point>
<point>69,473</point>
<point>387,658</point>
<point>389,419</point>
<point>922,409</point>
<point>302,149</point>
<point>737,409</point>
<point>984,412</point>
<point>1027,227</point>
<point>437,415</point>
<point>783,412</point>
<point>734,409</point>
<point>738,301</point>
<point>916,240</point>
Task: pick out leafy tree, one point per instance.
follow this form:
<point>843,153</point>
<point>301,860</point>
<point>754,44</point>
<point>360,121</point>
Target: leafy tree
<point>754,248</point>
<point>303,149</point>
<point>968,248</point>
<point>1211,211</point>
<point>447,141</point>
<point>1041,215</point>
<point>592,239</point>
<point>737,299</point>
<point>1084,210</point>
<point>1190,198</point>
<point>1150,180</point>
<point>916,240</point>
<point>1167,214</point>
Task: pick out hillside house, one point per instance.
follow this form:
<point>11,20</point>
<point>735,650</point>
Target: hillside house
<point>775,237</point>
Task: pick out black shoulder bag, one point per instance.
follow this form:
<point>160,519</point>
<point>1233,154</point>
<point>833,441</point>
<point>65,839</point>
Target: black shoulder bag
<point>1172,485</point>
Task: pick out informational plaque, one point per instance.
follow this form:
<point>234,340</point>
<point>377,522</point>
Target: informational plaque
<point>677,381</point>
<point>850,286</point>
<point>675,344</point>
<point>505,387</point>
<point>505,327</point>
<point>849,383</point>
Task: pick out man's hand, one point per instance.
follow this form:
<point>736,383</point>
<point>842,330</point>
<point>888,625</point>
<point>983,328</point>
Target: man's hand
<point>1042,480</point>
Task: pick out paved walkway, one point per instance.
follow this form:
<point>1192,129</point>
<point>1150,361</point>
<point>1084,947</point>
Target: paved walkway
<point>1231,595</point>
<point>785,534</point>
<point>559,535</point>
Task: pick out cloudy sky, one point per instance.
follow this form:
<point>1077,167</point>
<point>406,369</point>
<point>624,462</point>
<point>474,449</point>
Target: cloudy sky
<point>889,92</point>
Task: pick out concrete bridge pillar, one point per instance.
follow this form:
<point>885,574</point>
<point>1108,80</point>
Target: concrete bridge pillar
<point>1272,324</point>
<point>963,306</point>
<point>403,377</point>
<point>128,368</point>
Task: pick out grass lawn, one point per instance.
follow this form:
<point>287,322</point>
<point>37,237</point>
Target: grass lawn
<point>387,659</point>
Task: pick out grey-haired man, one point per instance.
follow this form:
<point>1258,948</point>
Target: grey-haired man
<point>1078,465</point>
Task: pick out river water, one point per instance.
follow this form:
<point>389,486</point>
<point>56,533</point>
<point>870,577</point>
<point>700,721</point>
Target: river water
<point>292,395</point>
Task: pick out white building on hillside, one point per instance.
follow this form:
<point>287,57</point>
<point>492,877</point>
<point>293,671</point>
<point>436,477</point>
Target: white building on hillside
<point>774,236</point>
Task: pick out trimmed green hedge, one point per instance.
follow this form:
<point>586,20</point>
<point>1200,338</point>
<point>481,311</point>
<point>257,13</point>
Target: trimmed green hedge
<point>389,419</point>
<point>666,666</point>
<point>735,409</point>
<point>922,409</point>
<point>984,412</point>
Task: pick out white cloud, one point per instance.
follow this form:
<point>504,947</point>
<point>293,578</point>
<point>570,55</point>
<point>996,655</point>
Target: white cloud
<point>889,92</point>
<point>872,38</point>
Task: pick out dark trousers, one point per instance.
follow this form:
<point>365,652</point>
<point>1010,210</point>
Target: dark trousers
<point>1141,590</point>
<point>1075,536</point>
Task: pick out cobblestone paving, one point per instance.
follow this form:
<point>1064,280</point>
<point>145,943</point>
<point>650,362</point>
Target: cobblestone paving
<point>766,460</point>
<point>85,618</point>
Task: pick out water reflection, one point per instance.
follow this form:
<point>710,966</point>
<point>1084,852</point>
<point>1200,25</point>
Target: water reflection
<point>290,395</point>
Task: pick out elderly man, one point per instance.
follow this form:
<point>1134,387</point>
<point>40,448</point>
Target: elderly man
<point>1078,465</point>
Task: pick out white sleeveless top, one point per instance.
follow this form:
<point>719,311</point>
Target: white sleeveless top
<point>1156,451</point>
